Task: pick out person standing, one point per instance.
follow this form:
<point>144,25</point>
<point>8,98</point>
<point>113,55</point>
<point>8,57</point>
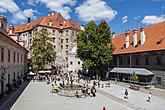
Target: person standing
<point>149,97</point>
<point>94,83</point>
<point>126,94</point>
<point>98,83</point>
<point>93,91</point>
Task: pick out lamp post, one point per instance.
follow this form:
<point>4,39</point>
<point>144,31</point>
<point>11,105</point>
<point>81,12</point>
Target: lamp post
<point>2,80</point>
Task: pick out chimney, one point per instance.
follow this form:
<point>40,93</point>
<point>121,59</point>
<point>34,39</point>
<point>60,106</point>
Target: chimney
<point>28,20</point>
<point>11,29</point>
<point>142,36</point>
<point>3,23</point>
<point>61,24</point>
<point>134,37</point>
<point>49,14</point>
<point>113,35</point>
<point>53,13</point>
<point>127,38</point>
<point>82,27</point>
<point>50,23</point>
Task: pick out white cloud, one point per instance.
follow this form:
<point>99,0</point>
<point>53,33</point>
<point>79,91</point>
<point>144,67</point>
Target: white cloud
<point>18,15</point>
<point>21,16</point>
<point>2,10</point>
<point>9,5</point>
<point>61,6</point>
<point>95,10</point>
<point>153,19</point>
<point>124,19</point>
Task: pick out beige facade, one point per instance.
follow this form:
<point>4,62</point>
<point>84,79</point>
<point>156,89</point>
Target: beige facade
<point>13,58</point>
<point>74,63</point>
<point>12,61</point>
<point>62,36</point>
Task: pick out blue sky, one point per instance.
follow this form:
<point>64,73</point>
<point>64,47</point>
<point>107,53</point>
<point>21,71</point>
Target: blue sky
<point>120,14</point>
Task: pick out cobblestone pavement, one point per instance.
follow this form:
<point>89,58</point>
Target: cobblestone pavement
<point>38,96</point>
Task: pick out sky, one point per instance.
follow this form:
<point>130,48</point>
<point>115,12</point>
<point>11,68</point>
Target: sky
<point>120,14</point>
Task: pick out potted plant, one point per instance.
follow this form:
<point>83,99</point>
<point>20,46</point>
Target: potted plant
<point>134,80</point>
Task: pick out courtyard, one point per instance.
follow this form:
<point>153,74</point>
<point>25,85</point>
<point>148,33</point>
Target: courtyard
<point>38,96</point>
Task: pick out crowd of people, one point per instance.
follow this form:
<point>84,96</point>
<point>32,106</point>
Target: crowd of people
<point>59,81</point>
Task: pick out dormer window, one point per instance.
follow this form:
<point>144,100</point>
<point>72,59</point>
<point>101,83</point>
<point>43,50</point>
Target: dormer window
<point>50,23</point>
<point>159,41</point>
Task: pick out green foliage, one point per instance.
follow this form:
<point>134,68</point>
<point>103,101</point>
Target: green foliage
<point>42,50</point>
<point>95,45</point>
<point>134,77</point>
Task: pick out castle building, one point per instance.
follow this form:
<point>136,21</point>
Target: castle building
<point>63,33</point>
<point>13,58</point>
<point>141,51</point>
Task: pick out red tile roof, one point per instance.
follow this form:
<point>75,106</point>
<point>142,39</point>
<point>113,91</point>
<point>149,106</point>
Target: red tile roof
<point>2,17</point>
<point>155,40</point>
<point>56,19</point>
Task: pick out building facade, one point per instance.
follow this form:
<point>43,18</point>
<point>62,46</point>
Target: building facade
<point>74,63</point>
<point>63,33</point>
<point>142,48</point>
<point>13,58</point>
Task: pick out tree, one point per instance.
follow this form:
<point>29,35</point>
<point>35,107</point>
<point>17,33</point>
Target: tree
<point>42,50</point>
<point>134,77</point>
<point>94,45</point>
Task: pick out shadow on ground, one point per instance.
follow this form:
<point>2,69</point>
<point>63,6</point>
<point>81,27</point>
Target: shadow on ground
<point>8,100</point>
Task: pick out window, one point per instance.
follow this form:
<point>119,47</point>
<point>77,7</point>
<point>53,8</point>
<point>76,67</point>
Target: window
<point>53,40</point>
<point>54,46</point>
<point>72,33</point>
<point>50,23</point>
<point>14,75</point>
<point>21,58</point>
<point>14,56</point>
<point>128,61</point>
<point>159,60</point>
<point>66,46</point>
<point>146,61</point>
<point>30,41</point>
<point>66,58</point>
<point>53,32</point>
<point>66,32</point>
<point>8,78</point>
<point>137,61</point>
<point>61,47</point>
<point>8,55</point>
<point>17,57</point>
<point>2,54</point>
<point>71,63</point>
<point>78,62</point>
<point>120,61</point>
<point>66,40</point>
<point>61,41</point>
<point>66,52</point>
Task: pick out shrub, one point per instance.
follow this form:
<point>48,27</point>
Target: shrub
<point>134,78</point>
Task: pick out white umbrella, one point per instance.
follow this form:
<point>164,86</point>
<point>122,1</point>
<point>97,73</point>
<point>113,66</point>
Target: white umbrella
<point>48,71</point>
<point>31,73</point>
<point>41,71</point>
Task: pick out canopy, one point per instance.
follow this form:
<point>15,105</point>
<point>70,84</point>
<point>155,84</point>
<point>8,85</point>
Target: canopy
<point>41,71</point>
<point>138,71</point>
<point>48,71</point>
<point>31,73</point>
